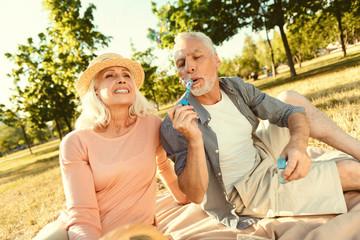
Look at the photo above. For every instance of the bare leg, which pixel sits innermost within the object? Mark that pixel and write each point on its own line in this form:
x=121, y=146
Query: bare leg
x=322, y=127
x=349, y=172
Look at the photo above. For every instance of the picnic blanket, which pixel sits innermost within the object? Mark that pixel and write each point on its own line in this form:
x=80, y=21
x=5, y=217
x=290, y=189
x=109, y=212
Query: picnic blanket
x=190, y=222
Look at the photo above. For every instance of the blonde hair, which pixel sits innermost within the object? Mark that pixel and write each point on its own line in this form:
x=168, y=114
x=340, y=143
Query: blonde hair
x=199, y=35
x=95, y=114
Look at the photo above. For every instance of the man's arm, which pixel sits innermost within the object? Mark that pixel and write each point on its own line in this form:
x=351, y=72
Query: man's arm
x=194, y=179
x=298, y=161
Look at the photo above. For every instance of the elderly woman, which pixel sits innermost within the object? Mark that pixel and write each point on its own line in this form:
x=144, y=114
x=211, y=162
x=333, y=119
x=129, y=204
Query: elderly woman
x=108, y=163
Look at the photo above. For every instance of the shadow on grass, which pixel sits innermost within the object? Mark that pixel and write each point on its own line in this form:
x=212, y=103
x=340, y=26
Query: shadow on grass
x=31, y=169
x=334, y=65
x=336, y=89
x=334, y=102
x=45, y=151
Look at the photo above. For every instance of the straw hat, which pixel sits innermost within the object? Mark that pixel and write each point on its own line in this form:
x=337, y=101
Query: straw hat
x=109, y=60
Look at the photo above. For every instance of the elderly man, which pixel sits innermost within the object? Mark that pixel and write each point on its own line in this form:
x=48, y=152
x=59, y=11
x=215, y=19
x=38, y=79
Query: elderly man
x=226, y=160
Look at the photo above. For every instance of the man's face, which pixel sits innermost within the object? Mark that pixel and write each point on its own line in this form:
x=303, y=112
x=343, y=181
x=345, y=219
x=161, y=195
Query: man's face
x=193, y=59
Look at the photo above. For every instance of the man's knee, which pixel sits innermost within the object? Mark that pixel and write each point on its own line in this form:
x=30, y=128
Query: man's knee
x=349, y=173
x=290, y=97
x=54, y=231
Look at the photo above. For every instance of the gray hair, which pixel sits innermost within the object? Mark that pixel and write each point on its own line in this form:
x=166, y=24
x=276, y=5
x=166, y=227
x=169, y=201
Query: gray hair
x=199, y=35
x=95, y=114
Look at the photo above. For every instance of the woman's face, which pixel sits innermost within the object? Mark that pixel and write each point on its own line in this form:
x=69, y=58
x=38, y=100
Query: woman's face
x=115, y=87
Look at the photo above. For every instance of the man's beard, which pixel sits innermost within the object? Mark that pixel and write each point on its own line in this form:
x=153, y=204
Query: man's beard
x=198, y=91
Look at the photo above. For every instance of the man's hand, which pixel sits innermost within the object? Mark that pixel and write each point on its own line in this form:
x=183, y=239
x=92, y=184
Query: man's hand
x=194, y=179
x=298, y=161
x=182, y=118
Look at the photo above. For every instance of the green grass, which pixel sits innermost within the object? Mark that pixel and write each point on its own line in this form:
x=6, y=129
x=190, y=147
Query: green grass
x=31, y=191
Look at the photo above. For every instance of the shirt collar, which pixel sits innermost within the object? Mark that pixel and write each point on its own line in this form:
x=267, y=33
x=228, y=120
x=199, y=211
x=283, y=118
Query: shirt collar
x=204, y=115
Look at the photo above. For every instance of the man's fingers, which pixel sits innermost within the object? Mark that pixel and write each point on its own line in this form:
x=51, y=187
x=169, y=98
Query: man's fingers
x=184, y=119
x=288, y=171
x=181, y=113
x=296, y=170
x=175, y=111
x=300, y=171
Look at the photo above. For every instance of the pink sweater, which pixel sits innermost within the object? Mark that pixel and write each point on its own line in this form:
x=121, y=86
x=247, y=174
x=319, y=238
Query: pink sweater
x=109, y=182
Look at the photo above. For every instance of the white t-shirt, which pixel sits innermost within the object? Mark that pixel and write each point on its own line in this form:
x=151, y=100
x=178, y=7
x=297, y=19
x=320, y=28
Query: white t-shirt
x=236, y=150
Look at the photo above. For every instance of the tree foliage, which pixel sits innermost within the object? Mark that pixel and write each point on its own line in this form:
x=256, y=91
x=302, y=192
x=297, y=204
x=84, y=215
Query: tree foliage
x=160, y=86
x=10, y=138
x=13, y=119
x=308, y=34
x=339, y=8
x=221, y=20
x=244, y=65
x=48, y=69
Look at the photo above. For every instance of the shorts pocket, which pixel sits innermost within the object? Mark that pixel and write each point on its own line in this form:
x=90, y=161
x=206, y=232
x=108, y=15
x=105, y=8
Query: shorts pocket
x=288, y=205
x=285, y=204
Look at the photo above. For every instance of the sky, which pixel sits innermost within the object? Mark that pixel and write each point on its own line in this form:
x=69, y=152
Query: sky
x=124, y=20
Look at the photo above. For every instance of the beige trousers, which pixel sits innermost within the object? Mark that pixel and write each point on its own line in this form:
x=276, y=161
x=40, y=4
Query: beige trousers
x=53, y=231
x=259, y=193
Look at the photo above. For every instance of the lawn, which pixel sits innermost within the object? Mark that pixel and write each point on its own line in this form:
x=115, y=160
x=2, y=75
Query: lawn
x=31, y=191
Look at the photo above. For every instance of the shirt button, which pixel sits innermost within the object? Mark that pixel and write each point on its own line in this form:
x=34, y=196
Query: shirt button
x=208, y=119
x=219, y=174
x=217, y=150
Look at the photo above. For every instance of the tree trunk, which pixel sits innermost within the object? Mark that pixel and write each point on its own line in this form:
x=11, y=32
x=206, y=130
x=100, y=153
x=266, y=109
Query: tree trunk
x=287, y=50
x=338, y=18
x=272, y=54
x=154, y=96
x=58, y=128
x=26, y=139
x=353, y=37
x=314, y=53
x=67, y=123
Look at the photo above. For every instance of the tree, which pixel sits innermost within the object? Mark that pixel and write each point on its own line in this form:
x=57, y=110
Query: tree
x=211, y=17
x=337, y=8
x=221, y=20
x=279, y=51
x=159, y=86
x=309, y=33
x=263, y=22
x=52, y=67
x=146, y=60
x=230, y=67
x=248, y=61
x=12, y=119
x=243, y=66
x=10, y=138
x=350, y=22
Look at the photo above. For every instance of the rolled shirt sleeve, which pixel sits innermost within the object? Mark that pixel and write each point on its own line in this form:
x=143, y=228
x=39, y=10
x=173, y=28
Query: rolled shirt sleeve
x=263, y=105
x=175, y=145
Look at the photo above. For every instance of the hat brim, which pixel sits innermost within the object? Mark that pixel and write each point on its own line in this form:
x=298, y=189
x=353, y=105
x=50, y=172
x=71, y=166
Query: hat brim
x=89, y=74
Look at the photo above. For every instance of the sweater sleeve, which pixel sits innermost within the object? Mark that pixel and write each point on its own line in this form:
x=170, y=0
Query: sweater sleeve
x=165, y=169
x=82, y=207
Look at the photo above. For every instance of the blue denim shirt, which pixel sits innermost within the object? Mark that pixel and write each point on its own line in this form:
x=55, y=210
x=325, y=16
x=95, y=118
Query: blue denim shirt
x=253, y=104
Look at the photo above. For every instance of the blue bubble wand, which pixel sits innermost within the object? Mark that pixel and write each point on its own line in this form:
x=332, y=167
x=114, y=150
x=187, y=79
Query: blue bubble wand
x=188, y=85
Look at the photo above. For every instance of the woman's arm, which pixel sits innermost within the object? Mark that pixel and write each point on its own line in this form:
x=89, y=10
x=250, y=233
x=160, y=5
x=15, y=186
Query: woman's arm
x=82, y=208
x=168, y=176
